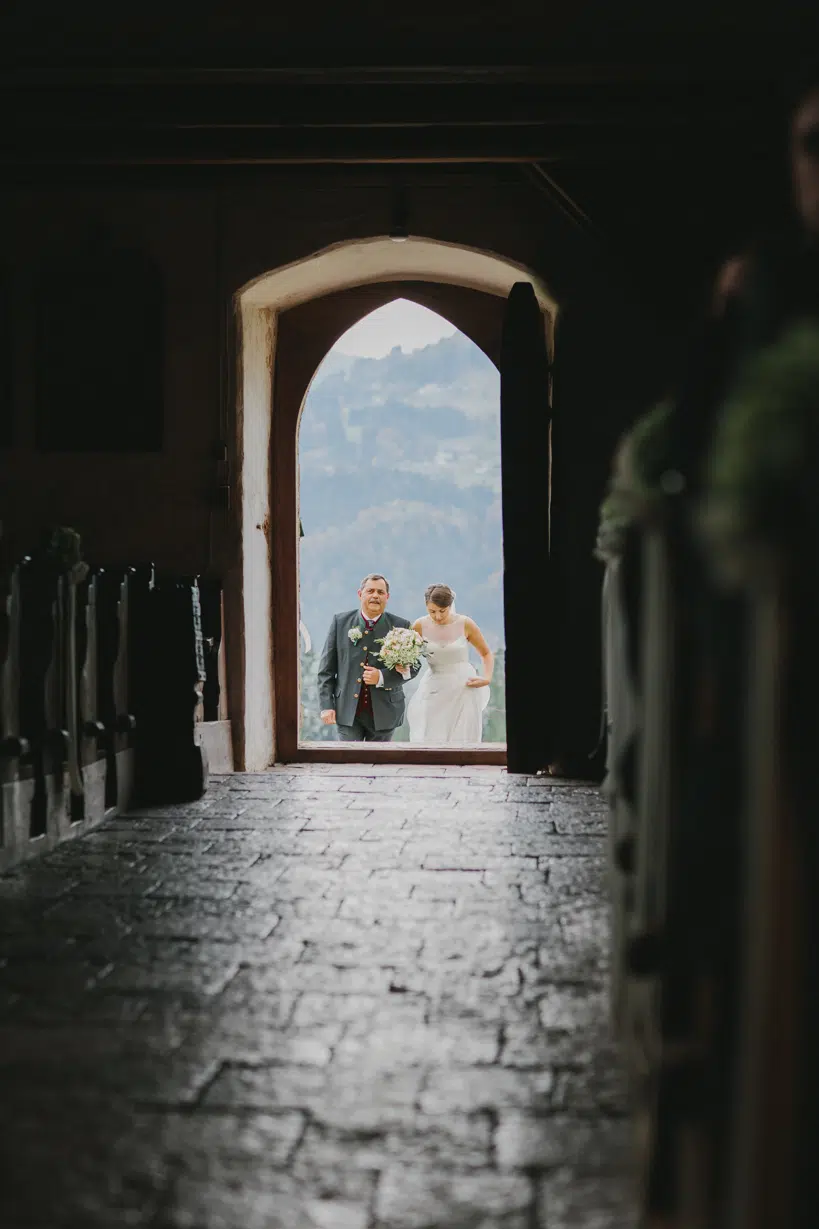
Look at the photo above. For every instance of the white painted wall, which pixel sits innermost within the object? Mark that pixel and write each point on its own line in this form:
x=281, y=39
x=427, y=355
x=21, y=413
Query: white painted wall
x=338, y=267
x=381, y=259
x=259, y=343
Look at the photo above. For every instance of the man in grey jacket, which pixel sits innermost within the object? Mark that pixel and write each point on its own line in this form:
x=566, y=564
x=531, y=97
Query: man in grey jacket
x=362, y=698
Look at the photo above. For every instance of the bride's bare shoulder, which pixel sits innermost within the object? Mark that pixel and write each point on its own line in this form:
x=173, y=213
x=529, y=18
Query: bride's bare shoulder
x=416, y=627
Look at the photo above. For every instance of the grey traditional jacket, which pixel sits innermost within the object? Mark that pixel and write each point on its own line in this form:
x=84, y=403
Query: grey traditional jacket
x=341, y=670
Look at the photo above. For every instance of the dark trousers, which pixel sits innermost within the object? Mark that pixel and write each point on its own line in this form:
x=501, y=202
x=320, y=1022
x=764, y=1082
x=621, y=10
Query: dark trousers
x=363, y=731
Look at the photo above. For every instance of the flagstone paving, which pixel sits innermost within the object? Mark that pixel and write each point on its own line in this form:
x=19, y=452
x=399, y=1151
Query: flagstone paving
x=328, y=997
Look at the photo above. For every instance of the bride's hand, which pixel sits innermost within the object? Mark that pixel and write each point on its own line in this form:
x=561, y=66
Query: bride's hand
x=476, y=682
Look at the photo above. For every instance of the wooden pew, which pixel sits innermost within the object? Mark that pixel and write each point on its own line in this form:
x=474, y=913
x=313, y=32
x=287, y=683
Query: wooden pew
x=87, y=732
x=651, y=1040
x=41, y=698
x=622, y=706
x=14, y=748
x=681, y=1020
x=167, y=670
x=674, y=844
x=210, y=601
x=214, y=732
x=101, y=690
x=775, y=1179
x=760, y=524
x=55, y=787
x=114, y=700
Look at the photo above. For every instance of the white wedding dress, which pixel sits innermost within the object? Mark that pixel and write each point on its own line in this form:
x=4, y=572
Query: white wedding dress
x=444, y=711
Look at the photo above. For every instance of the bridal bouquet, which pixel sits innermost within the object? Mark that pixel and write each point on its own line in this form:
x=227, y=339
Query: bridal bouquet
x=402, y=647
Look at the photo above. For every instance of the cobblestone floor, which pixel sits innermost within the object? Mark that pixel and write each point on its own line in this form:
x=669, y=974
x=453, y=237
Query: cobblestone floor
x=320, y=998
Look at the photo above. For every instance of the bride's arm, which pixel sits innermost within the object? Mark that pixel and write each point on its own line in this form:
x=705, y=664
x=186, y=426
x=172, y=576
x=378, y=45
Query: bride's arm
x=475, y=638
x=416, y=627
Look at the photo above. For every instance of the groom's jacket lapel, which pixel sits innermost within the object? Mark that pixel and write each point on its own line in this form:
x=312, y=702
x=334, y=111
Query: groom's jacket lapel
x=368, y=641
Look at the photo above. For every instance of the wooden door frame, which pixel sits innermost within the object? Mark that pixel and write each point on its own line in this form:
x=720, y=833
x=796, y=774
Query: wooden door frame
x=304, y=335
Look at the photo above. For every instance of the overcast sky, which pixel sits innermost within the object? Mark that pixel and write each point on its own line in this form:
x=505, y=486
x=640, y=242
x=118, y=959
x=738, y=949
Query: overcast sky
x=400, y=323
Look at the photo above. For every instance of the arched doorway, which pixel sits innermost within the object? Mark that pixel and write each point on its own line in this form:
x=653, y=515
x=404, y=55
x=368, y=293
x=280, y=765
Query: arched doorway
x=288, y=320
x=400, y=470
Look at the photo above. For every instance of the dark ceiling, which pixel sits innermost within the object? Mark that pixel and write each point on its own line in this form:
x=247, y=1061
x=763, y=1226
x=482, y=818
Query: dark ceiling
x=655, y=126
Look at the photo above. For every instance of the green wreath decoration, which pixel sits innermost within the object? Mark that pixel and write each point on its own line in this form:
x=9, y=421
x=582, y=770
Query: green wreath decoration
x=761, y=478
x=636, y=485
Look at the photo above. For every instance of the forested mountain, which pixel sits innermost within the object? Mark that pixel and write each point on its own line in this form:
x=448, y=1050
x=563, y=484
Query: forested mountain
x=400, y=474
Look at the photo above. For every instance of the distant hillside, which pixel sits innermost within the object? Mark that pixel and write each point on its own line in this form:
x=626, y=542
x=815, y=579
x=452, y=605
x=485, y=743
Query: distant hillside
x=400, y=473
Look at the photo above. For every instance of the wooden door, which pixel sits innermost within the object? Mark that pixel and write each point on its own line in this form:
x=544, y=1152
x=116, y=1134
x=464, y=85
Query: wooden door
x=525, y=466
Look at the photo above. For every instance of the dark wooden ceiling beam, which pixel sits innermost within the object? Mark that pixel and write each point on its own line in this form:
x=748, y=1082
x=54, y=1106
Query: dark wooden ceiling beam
x=163, y=106
x=303, y=146
x=554, y=37
x=708, y=67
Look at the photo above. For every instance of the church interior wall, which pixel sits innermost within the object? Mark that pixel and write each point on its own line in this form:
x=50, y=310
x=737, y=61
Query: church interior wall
x=170, y=506
x=207, y=244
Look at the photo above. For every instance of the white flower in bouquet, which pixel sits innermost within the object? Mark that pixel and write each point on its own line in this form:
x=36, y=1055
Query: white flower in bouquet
x=402, y=647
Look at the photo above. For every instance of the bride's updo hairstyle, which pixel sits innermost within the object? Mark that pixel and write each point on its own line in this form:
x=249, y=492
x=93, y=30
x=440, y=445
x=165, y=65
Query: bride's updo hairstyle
x=439, y=595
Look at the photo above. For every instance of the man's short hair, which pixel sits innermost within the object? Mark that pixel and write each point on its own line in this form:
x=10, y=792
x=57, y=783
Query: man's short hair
x=374, y=576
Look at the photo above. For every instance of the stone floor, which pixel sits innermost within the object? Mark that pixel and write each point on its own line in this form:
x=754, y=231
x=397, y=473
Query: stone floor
x=320, y=998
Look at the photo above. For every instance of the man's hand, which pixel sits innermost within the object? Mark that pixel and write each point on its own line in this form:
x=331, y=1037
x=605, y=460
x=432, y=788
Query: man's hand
x=328, y=716
x=477, y=682
x=371, y=676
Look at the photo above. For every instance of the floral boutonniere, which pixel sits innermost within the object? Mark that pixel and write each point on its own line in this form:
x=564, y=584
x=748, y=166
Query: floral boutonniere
x=355, y=634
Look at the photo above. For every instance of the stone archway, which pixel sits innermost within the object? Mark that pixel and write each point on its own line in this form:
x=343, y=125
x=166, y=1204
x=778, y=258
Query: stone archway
x=288, y=320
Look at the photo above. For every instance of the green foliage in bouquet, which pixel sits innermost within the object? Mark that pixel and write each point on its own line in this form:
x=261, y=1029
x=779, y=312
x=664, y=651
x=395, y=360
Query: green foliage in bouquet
x=640, y=462
x=762, y=474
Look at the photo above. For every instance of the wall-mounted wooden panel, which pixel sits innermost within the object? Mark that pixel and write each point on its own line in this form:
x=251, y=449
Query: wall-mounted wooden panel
x=99, y=364
x=6, y=362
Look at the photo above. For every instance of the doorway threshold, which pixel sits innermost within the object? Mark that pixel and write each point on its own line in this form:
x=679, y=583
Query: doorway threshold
x=398, y=753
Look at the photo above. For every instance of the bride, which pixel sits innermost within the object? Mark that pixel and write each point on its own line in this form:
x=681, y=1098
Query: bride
x=448, y=706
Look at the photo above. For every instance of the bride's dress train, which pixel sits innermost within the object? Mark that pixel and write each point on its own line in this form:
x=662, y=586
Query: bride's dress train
x=444, y=710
